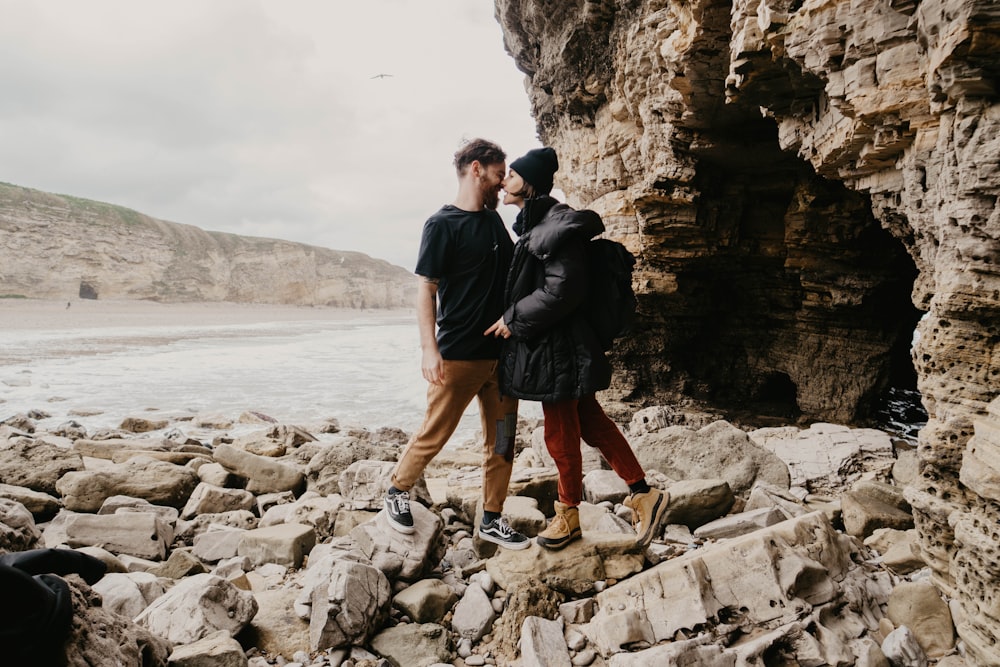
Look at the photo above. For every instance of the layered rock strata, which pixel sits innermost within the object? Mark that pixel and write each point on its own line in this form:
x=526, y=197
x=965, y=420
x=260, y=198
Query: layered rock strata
x=59, y=247
x=801, y=180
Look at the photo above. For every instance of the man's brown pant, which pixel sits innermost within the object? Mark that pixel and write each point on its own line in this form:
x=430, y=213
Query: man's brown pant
x=446, y=402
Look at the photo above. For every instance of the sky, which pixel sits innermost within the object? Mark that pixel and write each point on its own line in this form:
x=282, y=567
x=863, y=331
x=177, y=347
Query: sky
x=259, y=117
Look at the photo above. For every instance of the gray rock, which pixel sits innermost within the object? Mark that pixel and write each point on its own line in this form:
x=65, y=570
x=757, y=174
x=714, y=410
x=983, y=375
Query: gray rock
x=419, y=645
x=604, y=485
x=142, y=425
x=365, y=482
x=220, y=544
x=116, y=504
x=474, y=614
x=577, y=611
x=210, y=499
x=400, y=556
x=827, y=457
x=864, y=514
x=740, y=524
x=522, y=514
x=286, y=544
x=796, y=564
x=311, y=509
x=214, y=473
x=158, y=482
x=181, y=563
x=139, y=534
x=41, y=505
x=900, y=549
x=197, y=607
x=37, y=466
x=348, y=603
x=216, y=650
x=263, y=474
x=765, y=495
x=274, y=629
x=918, y=606
x=17, y=527
x=903, y=650
x=130, y=593
x=717, y=451
x=542, y=643
x=694, y=502
x=426, y=601
x=240, y=519
x=101, y=637
x=325, y=468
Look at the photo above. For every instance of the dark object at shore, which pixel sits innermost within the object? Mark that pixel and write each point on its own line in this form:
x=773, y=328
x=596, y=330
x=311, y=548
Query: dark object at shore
x=37, y=611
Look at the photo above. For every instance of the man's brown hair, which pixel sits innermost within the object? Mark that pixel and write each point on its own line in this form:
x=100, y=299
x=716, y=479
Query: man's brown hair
x=478, y=150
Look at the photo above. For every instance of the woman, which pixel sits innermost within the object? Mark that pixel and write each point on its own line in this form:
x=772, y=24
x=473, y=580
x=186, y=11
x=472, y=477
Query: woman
x=551, y=353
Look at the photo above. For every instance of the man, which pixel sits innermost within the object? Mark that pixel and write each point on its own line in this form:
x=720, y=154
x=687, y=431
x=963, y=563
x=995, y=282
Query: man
x=464, y=256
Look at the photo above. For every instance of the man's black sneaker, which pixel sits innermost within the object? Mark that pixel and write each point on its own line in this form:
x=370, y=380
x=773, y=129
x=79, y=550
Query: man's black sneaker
x=397, y=510
x=499, y=532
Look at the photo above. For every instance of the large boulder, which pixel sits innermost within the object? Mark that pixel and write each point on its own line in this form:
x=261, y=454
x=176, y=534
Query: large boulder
x=99, y=636
x=348, y=600
x=139, y=534
x=717, y=451
x=197, y=607
x=41, y=505
x=263, y=474
x=324, y=469
x=158, y=482
x=17, y=527
x=399, y=556
x=37, y=466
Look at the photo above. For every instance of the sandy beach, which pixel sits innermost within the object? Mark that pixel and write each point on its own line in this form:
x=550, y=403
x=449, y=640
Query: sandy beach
x=29, y=314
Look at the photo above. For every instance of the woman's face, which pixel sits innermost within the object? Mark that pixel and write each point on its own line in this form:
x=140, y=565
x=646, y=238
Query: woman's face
x=512, y=186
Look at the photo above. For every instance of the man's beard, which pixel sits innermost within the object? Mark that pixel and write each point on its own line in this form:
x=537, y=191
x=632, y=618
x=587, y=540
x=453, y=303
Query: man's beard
x=491, y=197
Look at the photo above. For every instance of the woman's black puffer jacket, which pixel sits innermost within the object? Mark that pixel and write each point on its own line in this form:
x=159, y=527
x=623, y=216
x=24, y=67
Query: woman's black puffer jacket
x=552, y=354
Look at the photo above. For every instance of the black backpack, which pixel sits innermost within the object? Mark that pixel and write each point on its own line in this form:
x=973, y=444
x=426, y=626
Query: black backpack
x=612, y=303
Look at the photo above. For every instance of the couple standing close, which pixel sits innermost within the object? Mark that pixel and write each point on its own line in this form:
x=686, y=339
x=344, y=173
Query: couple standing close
x=511, y=323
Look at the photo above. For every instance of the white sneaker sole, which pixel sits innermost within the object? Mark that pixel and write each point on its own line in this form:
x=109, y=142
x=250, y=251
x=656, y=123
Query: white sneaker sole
x=398, y=527
x=513, y=546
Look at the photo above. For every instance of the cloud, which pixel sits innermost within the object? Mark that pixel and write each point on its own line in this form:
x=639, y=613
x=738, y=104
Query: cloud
x=258, y=118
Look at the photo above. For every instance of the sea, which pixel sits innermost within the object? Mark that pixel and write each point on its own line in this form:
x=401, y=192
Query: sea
x=362, y=370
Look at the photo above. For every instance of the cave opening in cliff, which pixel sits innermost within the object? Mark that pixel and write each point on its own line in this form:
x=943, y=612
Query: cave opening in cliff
x=777, y=395
x=801, y=309
x=87, y=291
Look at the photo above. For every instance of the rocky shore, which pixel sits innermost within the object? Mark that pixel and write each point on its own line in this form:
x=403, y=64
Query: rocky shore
x=781, y=546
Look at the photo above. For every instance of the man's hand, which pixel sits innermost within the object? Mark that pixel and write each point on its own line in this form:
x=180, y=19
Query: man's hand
x=432, y=366
x=499, y=330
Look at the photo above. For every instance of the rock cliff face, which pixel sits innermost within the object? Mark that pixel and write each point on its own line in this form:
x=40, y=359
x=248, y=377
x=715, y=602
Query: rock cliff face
x=58, y=247
x=803, y=182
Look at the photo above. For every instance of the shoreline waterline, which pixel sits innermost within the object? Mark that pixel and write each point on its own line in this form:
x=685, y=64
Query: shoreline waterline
x=32, y=314
x=98, y=362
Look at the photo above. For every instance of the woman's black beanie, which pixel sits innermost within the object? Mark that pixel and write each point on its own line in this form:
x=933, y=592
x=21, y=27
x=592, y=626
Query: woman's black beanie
x=537, y=167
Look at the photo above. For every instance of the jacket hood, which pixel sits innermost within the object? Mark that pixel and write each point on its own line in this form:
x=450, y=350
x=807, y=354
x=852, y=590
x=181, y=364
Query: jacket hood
x=559, y=223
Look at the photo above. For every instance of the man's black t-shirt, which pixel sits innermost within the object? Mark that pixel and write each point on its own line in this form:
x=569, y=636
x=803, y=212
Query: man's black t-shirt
x=469, y=253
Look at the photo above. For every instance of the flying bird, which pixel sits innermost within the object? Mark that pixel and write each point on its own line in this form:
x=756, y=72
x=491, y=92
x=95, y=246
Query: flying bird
x=381, y=76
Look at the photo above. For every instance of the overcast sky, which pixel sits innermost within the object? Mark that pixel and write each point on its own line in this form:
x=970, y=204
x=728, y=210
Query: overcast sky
x=258, y=117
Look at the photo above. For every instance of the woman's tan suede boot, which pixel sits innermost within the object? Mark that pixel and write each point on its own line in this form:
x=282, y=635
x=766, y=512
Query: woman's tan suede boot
x=563, y=529
x=648, y=510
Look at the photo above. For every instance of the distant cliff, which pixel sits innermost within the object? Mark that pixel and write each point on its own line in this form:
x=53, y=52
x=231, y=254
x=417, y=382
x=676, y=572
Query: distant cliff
x=59, y=247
